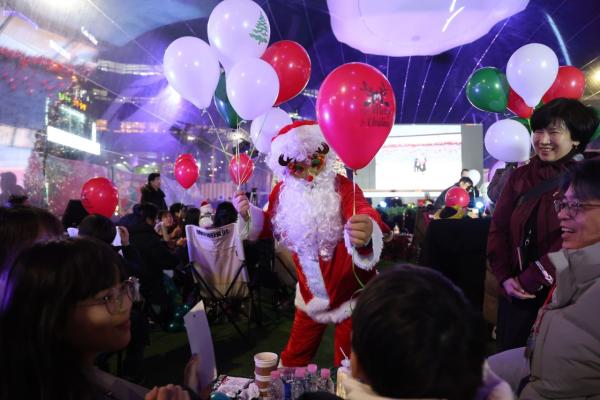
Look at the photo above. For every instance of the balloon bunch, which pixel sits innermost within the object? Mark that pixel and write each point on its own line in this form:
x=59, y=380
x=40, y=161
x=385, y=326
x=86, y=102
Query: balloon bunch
x=533, y=78
x=256, y=78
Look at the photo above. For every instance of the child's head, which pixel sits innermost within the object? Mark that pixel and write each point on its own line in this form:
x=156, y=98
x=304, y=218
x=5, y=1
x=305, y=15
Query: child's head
x=416, y=336
x=166, y=218
x=98, y=227
x=177, y=210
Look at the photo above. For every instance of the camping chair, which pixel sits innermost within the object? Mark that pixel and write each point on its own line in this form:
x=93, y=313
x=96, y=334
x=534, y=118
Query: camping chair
x=218, y=267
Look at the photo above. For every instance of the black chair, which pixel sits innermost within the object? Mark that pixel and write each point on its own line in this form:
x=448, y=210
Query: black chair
x=457, y=248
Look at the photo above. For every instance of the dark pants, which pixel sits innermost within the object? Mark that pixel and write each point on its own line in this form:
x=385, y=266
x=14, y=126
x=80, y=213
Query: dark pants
x=515, y=319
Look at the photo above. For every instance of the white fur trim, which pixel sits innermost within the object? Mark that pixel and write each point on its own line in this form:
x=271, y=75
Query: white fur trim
x=316, y=285
x=251, y=230
x=205, y=222
x=327, y=316
x=367, y=261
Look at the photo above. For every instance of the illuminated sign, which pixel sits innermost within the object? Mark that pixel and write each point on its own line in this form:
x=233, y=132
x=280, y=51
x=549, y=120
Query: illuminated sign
x=72, y=100
x=65, y=138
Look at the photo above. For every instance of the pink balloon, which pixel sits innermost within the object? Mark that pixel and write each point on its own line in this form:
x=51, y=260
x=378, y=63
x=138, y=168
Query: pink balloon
x=457, y=196
x=356, y=109
x=241, y=168
x=100, y=196
x=186, y=171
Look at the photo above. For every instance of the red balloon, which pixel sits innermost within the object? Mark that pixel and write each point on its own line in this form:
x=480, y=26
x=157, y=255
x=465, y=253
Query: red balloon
x=182, y=156
x=517, y=105
x=569, y=83
x=356, y=109
x=100, y=196
x=241, y=168
x=292, y=65
x=186, y=170
x=457, y=196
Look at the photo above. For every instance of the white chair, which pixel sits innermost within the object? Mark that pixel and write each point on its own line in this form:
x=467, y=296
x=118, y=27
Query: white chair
x=217, y=260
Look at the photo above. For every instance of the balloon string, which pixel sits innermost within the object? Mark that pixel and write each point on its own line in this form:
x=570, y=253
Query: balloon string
x=260, y=131
x=362, y=285
x=217, y=131
x=237, y=162
x=353, y=192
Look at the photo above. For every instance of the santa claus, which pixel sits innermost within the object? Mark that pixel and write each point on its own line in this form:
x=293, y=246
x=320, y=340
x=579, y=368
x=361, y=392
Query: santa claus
x=335, y=235
x=206, y=215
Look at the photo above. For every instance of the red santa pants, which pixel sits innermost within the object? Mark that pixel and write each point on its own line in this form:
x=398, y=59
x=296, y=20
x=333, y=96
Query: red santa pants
x=305, y=339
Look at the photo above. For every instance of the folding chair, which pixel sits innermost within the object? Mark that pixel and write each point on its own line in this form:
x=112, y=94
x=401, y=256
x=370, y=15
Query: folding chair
x=217, y=264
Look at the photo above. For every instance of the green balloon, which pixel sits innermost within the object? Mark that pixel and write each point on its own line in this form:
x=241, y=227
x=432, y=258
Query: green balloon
x=487, y=89
x=223, y=105
x=524, y=121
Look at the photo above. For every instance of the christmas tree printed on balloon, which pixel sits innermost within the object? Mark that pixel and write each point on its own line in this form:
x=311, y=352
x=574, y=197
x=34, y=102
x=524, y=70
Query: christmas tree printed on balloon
x=261, y=30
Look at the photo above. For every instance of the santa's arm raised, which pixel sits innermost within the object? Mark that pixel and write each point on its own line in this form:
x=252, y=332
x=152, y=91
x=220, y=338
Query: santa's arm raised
x=254, y=223
x=364, y=229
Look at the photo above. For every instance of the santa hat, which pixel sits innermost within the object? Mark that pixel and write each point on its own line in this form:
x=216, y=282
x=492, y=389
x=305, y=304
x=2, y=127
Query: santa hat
x=298, y=140
x=205, y=208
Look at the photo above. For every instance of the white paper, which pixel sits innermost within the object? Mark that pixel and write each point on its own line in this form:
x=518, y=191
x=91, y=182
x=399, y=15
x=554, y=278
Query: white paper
x=200, y=339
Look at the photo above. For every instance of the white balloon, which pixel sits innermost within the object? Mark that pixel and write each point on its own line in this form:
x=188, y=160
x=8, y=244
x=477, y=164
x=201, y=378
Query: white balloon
x=238, y=29
x=531, y=70
x=508, y=140
x=265, y=127
x=252, y=87
x=192, y=68
x=475, y=176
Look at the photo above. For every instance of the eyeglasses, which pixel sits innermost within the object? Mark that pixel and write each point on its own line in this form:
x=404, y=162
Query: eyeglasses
x=572, y=207
x=114, y=299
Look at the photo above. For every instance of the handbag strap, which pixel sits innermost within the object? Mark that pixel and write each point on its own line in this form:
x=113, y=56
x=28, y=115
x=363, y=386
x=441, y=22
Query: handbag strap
x=539, y=189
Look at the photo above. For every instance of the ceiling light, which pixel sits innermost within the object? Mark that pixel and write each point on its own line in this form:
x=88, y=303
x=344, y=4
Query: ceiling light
x=595, y=76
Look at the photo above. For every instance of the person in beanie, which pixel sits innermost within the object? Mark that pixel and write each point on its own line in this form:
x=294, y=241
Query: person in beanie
x=336, y=237
x=151, y=192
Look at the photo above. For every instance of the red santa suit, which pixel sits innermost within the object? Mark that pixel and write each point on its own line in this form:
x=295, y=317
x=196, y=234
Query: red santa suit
x=328, y=280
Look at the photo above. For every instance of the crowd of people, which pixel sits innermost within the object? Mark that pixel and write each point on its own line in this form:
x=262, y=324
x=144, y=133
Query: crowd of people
x=71, y=291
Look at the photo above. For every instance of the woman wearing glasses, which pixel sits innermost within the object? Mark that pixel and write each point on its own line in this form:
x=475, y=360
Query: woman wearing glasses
x=524, y=226
x=563, y=349
x=64, y=303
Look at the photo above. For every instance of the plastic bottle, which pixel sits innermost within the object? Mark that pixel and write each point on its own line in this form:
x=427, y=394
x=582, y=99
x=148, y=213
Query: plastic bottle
x=287, y=379
x=342, y=374
x=311, y=378
x=325, y=383
x=299, y=383
x=276, y=389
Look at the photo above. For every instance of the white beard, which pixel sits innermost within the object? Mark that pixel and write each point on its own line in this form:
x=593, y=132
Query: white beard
x=308, y=218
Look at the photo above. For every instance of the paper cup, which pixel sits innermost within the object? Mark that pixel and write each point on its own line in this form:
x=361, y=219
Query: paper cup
x=263, y=382
x=264, y=363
